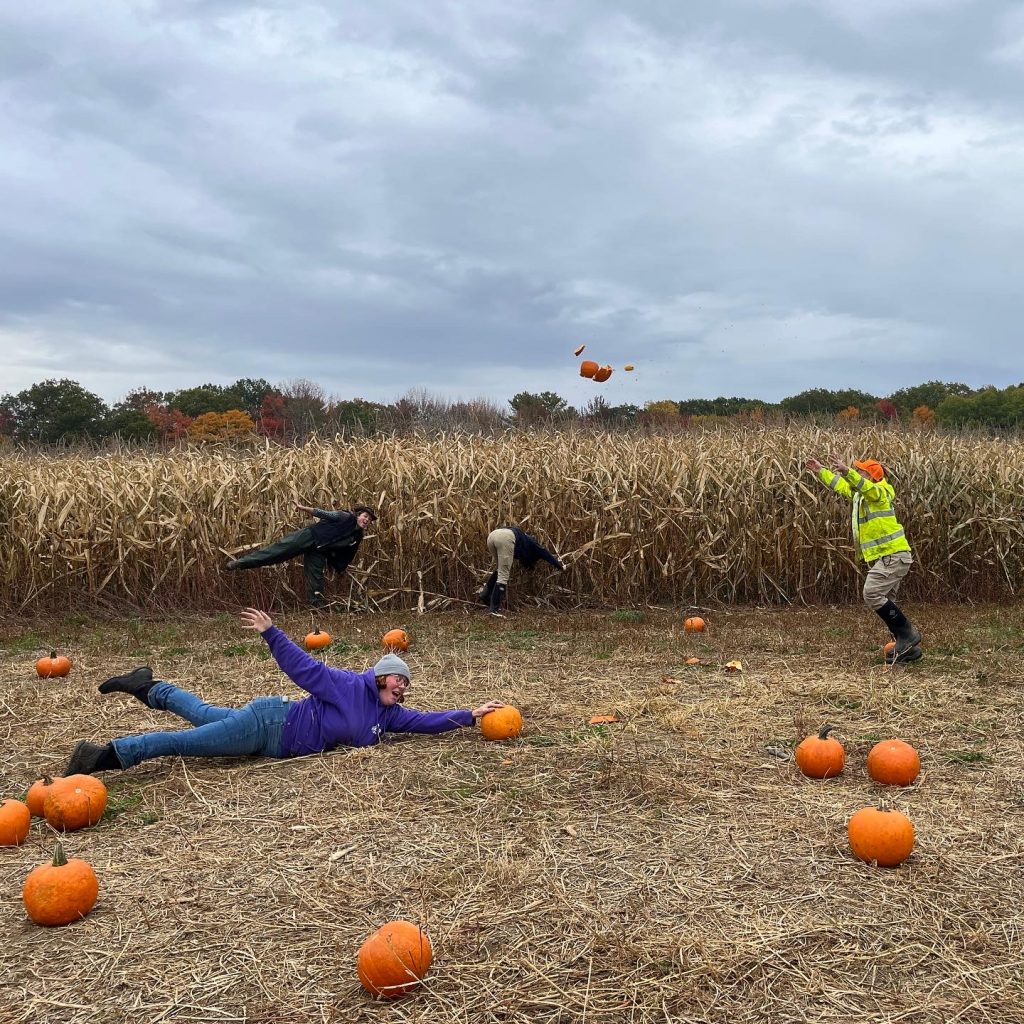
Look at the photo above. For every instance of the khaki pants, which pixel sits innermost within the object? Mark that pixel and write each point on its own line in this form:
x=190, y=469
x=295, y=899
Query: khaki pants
x=502, y=545
x=884, y=578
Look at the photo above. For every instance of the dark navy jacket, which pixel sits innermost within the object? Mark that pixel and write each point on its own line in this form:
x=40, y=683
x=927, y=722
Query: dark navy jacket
x=528, y=552
x=338, y=535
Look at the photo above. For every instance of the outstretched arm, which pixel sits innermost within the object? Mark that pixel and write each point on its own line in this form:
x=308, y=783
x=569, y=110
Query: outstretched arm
x=405, y=720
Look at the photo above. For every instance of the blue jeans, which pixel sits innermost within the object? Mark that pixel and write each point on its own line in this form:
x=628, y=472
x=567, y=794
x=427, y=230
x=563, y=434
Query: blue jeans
x=219, y=732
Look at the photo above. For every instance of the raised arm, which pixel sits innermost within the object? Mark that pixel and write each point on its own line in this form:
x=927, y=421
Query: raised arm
x=833, y=481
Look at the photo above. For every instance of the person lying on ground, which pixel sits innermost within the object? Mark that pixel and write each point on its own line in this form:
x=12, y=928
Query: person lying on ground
x=344, y=708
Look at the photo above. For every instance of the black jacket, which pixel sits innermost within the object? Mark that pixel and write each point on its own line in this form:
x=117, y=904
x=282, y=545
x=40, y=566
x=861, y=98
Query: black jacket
x=528, y=552
x=338, y=536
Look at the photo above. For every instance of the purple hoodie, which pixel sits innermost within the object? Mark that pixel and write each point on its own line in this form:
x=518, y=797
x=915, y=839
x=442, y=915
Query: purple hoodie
x=343, y=708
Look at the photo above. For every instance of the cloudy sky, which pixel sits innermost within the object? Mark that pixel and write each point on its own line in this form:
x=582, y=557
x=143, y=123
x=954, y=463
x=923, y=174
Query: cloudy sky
x=741, y=197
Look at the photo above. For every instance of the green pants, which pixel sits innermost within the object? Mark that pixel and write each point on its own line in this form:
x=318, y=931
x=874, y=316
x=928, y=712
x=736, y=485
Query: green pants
x=300, y=542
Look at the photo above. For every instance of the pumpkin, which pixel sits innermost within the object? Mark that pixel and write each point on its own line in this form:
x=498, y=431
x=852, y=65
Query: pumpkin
x=395, y=640
x=502, y=724
x=60, y=892
x=893, y=763
x=48, y=668
x=394, y=959
x=37, y=794
x=14, y=822
x=317, y=639
x=579, y=351
x=588, y=368
x=602, y=374
x=694, y=624
x=888, y=649
x=629, y=367
x=883, y=836
x=819, y=756
x=75, y=802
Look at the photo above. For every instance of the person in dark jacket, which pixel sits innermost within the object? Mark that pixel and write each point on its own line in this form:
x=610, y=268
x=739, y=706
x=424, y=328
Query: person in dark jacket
x=509, y=544
x=344, y=708
x=333, y=540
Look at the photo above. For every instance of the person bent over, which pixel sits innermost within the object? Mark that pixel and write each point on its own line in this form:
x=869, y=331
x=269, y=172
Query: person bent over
x=507, y=545
x=344, y=708
x=880, y=540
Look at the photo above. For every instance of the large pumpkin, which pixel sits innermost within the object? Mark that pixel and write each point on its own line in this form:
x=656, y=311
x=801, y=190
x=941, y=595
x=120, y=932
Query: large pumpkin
x=15, y=820
x=37, y=794
x=588, y=368
x=501, y=724
x=893, y=763
x=395, y=640
x=883, y=836
x=394, y=959
x=820, y=756
x=316, y=640
x=694, y=624
x=60, y=892
x=47, y=668
x=75, y=802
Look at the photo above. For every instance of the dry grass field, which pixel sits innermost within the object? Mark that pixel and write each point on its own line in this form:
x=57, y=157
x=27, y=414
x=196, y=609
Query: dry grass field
x=673, y=867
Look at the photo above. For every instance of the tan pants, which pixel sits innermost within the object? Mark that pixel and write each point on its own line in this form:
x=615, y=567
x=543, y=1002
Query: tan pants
x=502, y=545
x=884, y=578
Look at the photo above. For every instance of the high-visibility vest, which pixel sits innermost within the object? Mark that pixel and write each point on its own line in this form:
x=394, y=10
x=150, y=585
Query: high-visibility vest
x=876, y=530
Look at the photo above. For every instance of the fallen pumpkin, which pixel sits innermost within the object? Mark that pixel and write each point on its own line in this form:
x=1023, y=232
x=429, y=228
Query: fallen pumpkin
x=885, y=837
x=60, y=892
x=501, y=724
x=75, y=802
x=396, y=640
x=694, y=624
x=893, y=763
x=394, y=959
x=15, y=820
x=820, y=756
x=53, y=666
x=317, y=640
x=37, y=794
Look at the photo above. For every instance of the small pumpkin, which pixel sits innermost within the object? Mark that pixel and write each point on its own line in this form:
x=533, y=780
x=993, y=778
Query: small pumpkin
x=629, y=367
x=52, y=667
x=820, y=756
x=15, y=820
x=602, y=374
x=317, y=639
x=37, y=794
x=885, y=836
x=588, y=368
x=60, y=892
x=888, y=649
x=394, y=959
x=75, y=802
x=694, y=624
x=893, y=763
x=501, y=724
x=395, y=640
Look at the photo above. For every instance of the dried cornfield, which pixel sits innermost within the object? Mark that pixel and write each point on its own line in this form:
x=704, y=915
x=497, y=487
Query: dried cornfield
x=694, y=518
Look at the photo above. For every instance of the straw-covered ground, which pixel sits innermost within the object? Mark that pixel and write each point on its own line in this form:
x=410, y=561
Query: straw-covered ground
x=674, y=866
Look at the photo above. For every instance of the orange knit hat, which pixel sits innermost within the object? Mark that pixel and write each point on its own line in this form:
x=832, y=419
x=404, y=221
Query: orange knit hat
x=872, y=468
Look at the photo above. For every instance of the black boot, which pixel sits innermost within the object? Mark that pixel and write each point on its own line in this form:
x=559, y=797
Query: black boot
x=138, y=683
x=88, y=758
x=488, y=588
x=497, y=597
x=903, y=632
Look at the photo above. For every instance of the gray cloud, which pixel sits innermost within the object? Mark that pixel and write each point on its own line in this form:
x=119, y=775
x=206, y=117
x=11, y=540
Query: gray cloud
x=749, y=197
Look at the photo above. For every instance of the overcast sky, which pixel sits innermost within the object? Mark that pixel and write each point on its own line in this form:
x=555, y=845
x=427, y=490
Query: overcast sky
x=741, y=197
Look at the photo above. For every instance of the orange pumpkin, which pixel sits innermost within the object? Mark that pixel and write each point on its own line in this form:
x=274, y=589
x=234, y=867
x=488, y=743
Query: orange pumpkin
x=888, y=649
x=37, y=794
x=60, y=892
x=316, y=640
x=820, y=756
x=883, y=836
x=602, y=374
x=75, y=802
x=893, y=763
x=395, y=640
x=629, y=367
x=695, y=624
x=502, y=724
x=14, y=822
x=588, y=368
x=51, y=667
x=394, y=959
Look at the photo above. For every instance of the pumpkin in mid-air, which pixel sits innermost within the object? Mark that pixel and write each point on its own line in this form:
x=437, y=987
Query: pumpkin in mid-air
x=60, y=892
x=15, y=820
x=820, y=756
x=317, y=640
x=893, y=763
x=74, y=802
x=883, y=836
x=501, y=724
x=588, y=368
x=602, y=374
x=395, y=640
x=394, y=959
x=53, y=666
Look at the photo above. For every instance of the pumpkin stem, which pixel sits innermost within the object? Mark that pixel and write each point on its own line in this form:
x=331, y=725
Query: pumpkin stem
x=59, y=860
x=53, y=654
x=824, y=731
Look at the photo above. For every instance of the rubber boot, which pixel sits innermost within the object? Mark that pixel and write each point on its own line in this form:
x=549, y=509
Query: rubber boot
x=138, y=683
x=88, y=758
x=902, y=629
x=485, y=594
x=497, y=597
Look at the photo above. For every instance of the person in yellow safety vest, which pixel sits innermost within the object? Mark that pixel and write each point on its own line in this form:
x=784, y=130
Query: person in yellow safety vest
x=881, y=542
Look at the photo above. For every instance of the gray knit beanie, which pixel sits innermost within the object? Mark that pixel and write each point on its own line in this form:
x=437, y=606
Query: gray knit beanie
x=392, y=664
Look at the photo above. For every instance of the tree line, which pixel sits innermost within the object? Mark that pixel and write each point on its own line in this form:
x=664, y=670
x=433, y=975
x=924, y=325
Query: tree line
x=60, y=411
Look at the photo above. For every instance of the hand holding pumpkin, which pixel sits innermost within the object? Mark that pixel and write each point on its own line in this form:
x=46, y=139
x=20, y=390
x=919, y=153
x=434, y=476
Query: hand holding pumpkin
x=484, y=709
x=253, y=618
